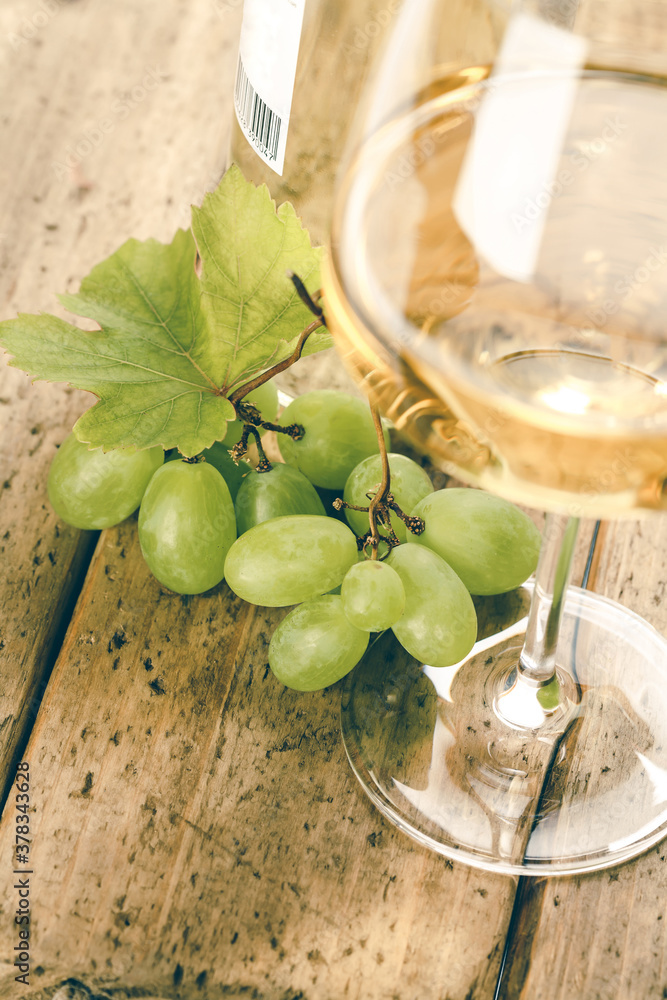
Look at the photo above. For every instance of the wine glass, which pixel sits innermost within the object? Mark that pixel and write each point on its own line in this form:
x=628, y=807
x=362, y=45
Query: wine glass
x=498, y=284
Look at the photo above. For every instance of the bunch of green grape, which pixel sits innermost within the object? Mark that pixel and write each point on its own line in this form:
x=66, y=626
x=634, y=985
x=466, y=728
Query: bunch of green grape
x=270, y=536
x=472, y=543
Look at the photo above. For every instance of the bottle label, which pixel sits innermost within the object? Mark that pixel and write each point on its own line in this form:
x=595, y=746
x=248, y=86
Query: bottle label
x=268, y=54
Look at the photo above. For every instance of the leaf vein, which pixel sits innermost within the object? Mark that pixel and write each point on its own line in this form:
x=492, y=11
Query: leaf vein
x=163, y=323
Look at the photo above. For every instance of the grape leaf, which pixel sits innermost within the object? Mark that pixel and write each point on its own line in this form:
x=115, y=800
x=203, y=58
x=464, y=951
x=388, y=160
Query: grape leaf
x=173, y=345
x=243, y=279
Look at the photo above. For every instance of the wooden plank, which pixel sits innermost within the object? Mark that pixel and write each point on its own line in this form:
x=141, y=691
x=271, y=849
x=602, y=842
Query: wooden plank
x=153, y=827
x=43, y=560
x=603, y=935
x=183, y=798
x=196, y=823
x=69, y=194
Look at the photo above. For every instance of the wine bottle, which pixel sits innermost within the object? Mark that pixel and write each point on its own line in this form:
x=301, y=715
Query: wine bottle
x=302, y=64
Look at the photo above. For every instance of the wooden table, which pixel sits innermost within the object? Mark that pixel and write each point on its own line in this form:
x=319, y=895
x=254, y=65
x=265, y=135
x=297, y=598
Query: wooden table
x=197, y=831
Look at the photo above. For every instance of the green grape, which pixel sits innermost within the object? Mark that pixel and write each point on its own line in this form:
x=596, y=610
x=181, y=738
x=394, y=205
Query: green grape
x=315, y=645
x=491, y=544
x=290, y=559
x=187, y=526
x=277, y=493
x=336, y=590
x=409, y=484
x=265, y=399
x=218, y=456
x=439, y=624
x=91, y=489
x=339, y=434
x=373, y=596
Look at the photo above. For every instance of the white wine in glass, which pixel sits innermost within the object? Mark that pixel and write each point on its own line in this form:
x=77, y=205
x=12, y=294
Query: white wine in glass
x=498, y=284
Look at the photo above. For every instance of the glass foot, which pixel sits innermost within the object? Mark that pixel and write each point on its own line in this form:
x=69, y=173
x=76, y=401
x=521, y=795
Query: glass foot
x=567, y=778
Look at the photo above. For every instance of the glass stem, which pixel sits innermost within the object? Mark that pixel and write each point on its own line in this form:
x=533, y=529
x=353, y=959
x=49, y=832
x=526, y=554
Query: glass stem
x=538, y=658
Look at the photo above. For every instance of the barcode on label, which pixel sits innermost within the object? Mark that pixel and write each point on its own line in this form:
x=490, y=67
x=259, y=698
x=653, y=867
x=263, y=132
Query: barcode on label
x=261, y=124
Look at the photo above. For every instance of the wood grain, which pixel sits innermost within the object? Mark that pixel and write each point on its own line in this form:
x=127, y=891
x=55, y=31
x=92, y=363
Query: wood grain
x=603, y=935
x=197, y=830
x=197, y=827
x=181, y=798
x=196, y=824
x=64, y=204
x=43, y=560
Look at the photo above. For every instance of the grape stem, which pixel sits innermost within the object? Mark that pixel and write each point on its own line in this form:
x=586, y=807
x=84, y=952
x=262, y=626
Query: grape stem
x=282, y=366
x=247, y=412
x=381, y=503
x=250, y=416
x=414, y=524
x=295, y=431
x=305, y=296
x=241, y=447
x=377, y=507
x=252, y=421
